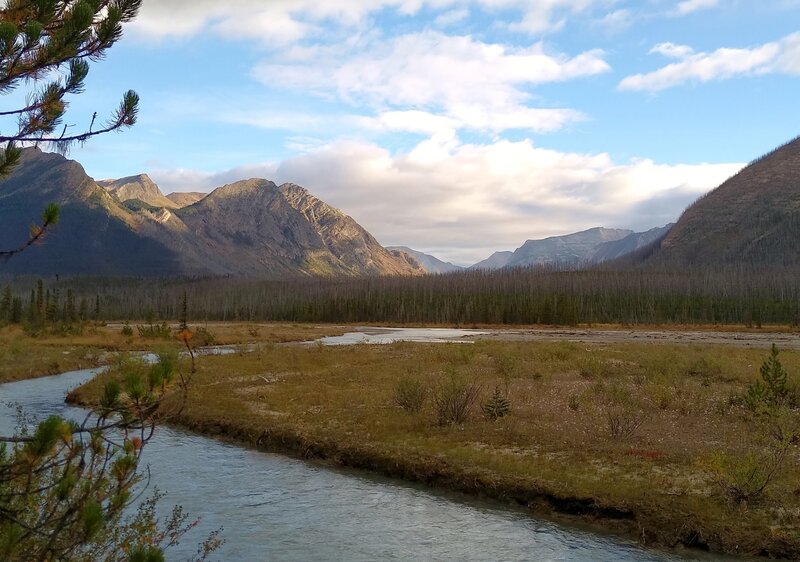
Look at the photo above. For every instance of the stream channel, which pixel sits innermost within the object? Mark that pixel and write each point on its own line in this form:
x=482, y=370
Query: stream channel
x=277, y=508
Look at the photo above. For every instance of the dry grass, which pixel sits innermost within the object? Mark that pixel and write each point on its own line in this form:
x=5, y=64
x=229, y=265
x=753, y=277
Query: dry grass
x=556, y=449
x=23, y=356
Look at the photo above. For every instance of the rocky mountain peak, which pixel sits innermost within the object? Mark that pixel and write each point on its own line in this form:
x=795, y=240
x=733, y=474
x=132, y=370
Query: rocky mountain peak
x=250, y=227
x=139, y=187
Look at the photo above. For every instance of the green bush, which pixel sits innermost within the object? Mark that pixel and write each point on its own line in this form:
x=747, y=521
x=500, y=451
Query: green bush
x=155, y=331
x=410, y=394
x=453, y=399
x=744, y=478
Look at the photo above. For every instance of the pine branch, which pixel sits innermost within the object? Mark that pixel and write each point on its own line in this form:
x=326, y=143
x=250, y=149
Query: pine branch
x=49, y=219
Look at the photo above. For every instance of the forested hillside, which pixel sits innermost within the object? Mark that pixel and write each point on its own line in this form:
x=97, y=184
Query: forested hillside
x=753, y=218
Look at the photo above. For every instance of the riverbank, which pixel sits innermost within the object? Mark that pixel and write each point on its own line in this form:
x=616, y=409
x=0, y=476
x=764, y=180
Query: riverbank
x=28, y=354
x=639, y=438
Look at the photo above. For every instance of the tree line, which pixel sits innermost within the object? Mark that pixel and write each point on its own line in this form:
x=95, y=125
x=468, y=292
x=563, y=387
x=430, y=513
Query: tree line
x=518, y=296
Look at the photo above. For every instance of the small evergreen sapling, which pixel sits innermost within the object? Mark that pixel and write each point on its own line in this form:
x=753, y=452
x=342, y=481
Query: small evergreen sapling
x=774, y=389
x=498, y=405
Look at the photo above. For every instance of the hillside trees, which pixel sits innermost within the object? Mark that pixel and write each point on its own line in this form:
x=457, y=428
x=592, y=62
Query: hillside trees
x=66, y=485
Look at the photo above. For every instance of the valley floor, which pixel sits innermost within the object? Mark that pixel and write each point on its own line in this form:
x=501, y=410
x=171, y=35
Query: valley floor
x=650, y=439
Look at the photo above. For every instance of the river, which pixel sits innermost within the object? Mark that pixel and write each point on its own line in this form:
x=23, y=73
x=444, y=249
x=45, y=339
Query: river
x=277, y=508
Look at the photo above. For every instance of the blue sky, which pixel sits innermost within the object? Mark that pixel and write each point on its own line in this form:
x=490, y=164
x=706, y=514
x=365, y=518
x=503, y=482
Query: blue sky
x=457, y=128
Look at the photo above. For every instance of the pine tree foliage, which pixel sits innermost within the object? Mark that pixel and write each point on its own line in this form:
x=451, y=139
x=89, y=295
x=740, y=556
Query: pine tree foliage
x=48, y=44
x=775, y=376
x=46, y=47
x=497, y=406
x=773, y=390
x=65, y=486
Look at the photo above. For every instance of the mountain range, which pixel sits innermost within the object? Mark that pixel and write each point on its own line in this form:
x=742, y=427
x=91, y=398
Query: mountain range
x=589, y=247
x=128, y=227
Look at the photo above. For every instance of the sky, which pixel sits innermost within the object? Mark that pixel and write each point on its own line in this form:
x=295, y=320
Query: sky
x=457, y=128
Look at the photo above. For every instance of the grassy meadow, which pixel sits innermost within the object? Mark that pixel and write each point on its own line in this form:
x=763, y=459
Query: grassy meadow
x=26, y=354
x=656, y=441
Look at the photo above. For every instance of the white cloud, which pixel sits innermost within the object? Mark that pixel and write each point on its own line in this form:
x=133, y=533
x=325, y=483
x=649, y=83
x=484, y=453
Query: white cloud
x=285, y=21
x=616, y=21
x=415, y=121
x=278, y=20
x=421, y=69
x=781, y=56
x=672, y=50
x=451, y=17
x=467, y=200
x=547, y=15
x=690, y=6
x=478, y=85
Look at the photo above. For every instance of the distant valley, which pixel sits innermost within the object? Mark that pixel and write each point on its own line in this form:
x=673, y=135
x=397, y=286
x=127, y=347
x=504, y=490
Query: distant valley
x=589, y=247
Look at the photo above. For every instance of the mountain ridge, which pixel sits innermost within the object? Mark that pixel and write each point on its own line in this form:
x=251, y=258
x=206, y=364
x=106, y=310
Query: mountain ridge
x=251, y=227
x=752, y=218
x=430, y=263
x=139, y=187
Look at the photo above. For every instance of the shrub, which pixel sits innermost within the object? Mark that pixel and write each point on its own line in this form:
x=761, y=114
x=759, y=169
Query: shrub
x=744, y=479
x=505, y=365
x=410, y=394
x=127, y=330
x=498, y=406
x=623, y=416
x=773, y=390
x=453, y=399
x=203, y=337
x=155, y=331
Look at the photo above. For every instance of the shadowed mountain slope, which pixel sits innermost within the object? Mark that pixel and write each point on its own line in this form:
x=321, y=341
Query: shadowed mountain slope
x=247, y=228
x=96, y=233
x=631, y=243
x=751, y=219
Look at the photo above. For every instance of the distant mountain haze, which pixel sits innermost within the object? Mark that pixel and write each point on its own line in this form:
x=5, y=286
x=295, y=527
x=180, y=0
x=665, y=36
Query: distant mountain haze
x=569, y=250
x=431, y=264
x=631, y=243
x=585, y=248
x=497, y=260
x=129, y=228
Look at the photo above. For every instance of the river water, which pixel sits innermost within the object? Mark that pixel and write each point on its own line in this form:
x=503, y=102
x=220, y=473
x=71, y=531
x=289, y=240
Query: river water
x=276, y=508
